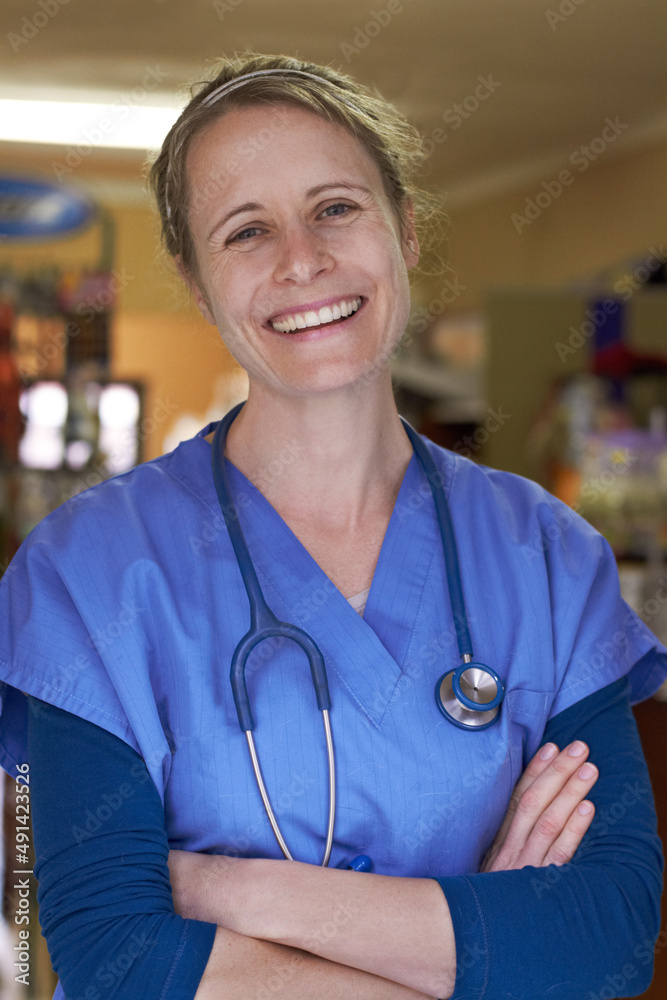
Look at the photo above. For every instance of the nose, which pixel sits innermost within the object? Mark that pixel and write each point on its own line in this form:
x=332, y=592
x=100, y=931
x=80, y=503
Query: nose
x=303, y=255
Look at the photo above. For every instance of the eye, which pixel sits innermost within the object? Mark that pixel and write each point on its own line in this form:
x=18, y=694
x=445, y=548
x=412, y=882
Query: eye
x=337, y=209
x=245, y=235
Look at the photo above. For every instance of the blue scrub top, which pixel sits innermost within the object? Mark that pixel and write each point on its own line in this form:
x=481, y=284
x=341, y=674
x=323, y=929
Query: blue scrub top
x=125, y=606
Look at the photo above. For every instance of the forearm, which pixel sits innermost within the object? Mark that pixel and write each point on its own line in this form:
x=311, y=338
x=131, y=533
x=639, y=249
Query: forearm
x=566, y=929
x=396, y=928
x=241, y=966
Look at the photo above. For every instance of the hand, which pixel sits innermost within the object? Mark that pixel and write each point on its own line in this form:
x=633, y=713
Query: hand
x=548, y=813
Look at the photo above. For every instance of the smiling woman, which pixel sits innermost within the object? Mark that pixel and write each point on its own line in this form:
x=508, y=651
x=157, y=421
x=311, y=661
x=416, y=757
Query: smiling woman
x=287, y=203
x=289, y=249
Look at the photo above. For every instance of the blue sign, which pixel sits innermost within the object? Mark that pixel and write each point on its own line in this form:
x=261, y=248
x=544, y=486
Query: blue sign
x=31, y=210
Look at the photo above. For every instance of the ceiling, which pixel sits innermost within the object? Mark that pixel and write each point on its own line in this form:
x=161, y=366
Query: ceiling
x=555, y=70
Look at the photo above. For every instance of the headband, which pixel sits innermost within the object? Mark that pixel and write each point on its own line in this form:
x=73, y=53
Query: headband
x=239, y=81
x=228, y=88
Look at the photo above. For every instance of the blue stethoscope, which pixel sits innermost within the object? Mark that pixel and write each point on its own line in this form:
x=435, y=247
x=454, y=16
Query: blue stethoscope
x=469, y=696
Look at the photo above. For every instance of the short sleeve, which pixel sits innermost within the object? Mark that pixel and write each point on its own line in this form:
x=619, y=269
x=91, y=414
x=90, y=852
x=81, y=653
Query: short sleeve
x=597, y=638
x=74, y=640
x=543, y=591
x=46, y=648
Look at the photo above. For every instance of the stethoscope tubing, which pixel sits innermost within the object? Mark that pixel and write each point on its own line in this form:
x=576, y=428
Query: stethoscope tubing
x=332, y=792
x=457, y=601
x=265, y=625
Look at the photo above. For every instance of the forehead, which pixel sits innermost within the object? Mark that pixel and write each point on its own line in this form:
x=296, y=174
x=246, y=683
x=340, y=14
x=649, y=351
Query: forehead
x=277, y=145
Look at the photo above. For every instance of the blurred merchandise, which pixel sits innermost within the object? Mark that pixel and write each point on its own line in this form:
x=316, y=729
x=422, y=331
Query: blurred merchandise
x=81, y=425
x=644, y=588
x=623, y=491
x=600, y=440
x=457, y=340
x=613, y=357
x=9, y=539
x=40, y=345
x=74, y=437
x=596, y=458
x=574, y=409
x=10, y=388
x=82, y=428
x=86, y=300
x=438, y=377
x=65, y=425
x=87, y=343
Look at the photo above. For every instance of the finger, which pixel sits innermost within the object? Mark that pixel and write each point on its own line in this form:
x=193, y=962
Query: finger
x=537, y=766
x=564, y=847
x=541, y=793
x=554, y=820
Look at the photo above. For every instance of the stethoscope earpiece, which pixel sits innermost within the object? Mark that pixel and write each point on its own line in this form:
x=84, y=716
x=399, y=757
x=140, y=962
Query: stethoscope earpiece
x=469, y=696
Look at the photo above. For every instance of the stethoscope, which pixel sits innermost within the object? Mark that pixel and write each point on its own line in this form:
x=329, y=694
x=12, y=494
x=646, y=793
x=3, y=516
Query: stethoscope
x=469, y=696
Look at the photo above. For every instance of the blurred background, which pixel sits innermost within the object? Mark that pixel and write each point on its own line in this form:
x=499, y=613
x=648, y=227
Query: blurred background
x=540, y=347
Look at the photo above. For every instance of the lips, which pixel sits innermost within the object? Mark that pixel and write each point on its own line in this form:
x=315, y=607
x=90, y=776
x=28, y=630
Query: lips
x=331, y=312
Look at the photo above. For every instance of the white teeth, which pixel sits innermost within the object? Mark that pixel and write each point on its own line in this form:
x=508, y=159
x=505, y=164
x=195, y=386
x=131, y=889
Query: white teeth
x=327, y=314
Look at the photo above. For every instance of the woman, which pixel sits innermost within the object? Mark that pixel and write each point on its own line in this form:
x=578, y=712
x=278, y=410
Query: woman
x=284, y=201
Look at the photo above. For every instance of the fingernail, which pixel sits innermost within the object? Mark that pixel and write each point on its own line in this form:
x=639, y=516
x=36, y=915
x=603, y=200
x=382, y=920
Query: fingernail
x=585, y=808
x=548, y=751
x=576, y=749
x=586, y=771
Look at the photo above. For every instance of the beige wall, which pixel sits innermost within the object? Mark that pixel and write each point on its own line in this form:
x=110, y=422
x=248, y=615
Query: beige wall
x=613, y=211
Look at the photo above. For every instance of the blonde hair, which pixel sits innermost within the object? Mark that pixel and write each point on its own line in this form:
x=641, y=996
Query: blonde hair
x=393, y=143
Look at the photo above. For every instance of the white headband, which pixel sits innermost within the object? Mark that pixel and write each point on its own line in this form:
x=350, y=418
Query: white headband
x=228, y=88
x=238, y=81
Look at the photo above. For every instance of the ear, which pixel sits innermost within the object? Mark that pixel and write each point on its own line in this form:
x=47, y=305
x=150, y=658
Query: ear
x=409, y=233
x=196, y=291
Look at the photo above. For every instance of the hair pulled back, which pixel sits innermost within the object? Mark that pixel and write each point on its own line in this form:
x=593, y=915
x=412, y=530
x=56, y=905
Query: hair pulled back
x=385, y=133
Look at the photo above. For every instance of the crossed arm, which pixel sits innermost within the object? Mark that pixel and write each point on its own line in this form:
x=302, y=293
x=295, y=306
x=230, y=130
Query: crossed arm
x=398, y=929
x=277, y=929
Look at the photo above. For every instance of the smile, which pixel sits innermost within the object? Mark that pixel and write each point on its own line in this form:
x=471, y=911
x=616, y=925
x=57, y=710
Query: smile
x=320, y=317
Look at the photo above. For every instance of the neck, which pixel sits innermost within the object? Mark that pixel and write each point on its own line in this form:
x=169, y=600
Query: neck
x=333, y=458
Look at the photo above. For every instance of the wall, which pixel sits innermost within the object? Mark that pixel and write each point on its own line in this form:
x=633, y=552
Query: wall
x=614, y=211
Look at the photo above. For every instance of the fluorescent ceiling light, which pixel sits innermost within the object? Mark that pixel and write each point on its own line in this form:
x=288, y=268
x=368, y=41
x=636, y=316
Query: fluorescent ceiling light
x=114, y=125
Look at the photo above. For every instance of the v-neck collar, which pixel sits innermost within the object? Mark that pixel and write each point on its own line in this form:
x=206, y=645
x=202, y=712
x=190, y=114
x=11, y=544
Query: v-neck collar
x=367, y=654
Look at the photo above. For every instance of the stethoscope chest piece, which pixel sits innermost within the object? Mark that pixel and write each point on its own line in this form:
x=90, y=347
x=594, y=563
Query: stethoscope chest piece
x=469, y=696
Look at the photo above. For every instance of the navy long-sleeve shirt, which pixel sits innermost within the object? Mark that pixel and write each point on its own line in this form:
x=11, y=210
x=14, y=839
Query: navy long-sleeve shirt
x=560, y=932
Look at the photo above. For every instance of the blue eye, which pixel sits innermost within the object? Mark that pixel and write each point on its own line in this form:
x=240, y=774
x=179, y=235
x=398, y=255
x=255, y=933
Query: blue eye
x=340, y=207
x=245, y=234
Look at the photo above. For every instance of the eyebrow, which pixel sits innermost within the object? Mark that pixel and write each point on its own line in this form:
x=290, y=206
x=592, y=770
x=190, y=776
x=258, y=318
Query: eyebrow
x=254, y=206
